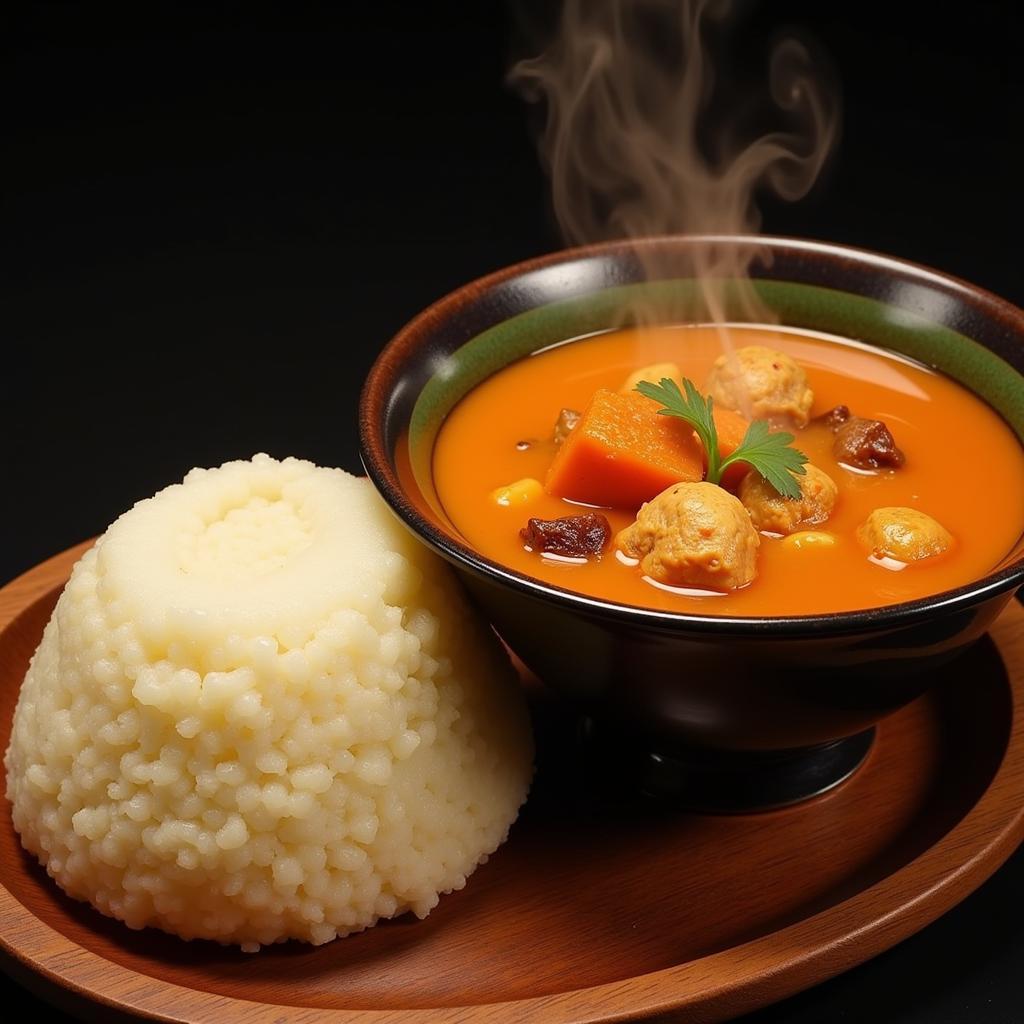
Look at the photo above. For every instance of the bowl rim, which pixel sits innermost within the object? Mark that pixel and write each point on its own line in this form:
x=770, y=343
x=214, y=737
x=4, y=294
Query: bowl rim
x=373, y=405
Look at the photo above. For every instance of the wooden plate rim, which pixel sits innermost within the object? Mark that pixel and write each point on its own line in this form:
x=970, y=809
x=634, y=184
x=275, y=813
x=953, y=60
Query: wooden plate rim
x=729, y=982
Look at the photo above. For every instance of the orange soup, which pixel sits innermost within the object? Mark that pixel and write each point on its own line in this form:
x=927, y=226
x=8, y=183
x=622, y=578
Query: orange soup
x=963, y=466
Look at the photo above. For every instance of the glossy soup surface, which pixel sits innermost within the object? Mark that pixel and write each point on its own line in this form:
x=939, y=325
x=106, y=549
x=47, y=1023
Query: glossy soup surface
x=964, y=467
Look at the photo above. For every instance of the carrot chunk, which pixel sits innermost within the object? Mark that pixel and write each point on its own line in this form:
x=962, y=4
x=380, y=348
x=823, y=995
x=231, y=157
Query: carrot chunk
x=622, y=453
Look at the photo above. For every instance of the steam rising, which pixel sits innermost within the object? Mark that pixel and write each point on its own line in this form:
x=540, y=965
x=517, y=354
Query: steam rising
x=632, y=149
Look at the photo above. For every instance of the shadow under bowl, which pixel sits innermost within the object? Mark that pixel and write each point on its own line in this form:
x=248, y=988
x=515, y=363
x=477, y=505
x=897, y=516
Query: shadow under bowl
x=717, y=712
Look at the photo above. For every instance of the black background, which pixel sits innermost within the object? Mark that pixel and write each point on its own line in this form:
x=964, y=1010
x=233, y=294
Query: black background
x=214, y=217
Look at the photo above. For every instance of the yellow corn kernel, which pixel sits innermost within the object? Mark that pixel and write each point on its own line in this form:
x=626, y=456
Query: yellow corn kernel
x=804, y=539
x=522, y=492
x=653, y=373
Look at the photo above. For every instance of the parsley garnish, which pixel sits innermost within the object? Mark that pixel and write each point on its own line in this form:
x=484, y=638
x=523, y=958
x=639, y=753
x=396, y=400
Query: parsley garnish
x=770, y=454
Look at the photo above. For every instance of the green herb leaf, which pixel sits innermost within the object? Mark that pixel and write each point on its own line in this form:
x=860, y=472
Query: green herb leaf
x=695, y=410
x=769, y=454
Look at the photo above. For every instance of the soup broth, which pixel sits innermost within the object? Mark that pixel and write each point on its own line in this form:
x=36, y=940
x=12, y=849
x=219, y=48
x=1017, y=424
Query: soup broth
x=964, y=467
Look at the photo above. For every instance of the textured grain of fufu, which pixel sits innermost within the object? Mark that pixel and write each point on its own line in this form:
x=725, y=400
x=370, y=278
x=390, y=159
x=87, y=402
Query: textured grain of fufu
x=261, y=711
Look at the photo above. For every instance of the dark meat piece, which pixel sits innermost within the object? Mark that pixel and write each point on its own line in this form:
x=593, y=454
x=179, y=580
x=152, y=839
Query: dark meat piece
x=834, y=418
x=575, y=536
x=866, y=444
x=567, y=420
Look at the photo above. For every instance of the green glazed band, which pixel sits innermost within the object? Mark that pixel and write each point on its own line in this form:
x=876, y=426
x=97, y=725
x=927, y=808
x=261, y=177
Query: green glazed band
x=806, y=306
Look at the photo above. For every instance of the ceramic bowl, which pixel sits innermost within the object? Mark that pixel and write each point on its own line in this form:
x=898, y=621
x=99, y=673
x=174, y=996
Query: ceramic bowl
x=727, y=713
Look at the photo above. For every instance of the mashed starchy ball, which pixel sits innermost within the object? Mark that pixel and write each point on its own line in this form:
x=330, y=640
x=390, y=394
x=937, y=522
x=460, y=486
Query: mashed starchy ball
x=904, y=534
x=761, y=384
x=771, y=512
x=693, y=535
x=262, y=711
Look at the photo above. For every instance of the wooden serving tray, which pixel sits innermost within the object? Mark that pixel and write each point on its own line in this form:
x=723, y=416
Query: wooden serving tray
x=597, y=909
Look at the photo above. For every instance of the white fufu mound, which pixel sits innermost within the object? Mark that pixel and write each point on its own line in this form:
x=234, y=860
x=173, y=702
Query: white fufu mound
x=262, y=711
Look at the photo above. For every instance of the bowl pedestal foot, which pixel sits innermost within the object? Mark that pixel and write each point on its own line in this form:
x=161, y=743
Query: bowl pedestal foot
x=723, y=781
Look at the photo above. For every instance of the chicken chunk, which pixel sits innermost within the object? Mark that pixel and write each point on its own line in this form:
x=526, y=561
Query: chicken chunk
x=696, y=535
x=771, y=512
x=904, y=534
x=762, y=384
x=565, y=424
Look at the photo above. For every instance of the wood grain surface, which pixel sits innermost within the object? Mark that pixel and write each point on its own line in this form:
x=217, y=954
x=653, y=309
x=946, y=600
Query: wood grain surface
x=599, y=907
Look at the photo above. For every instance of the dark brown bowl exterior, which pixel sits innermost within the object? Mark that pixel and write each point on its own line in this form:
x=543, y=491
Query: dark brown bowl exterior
x=735, y=684
x=747, y=689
